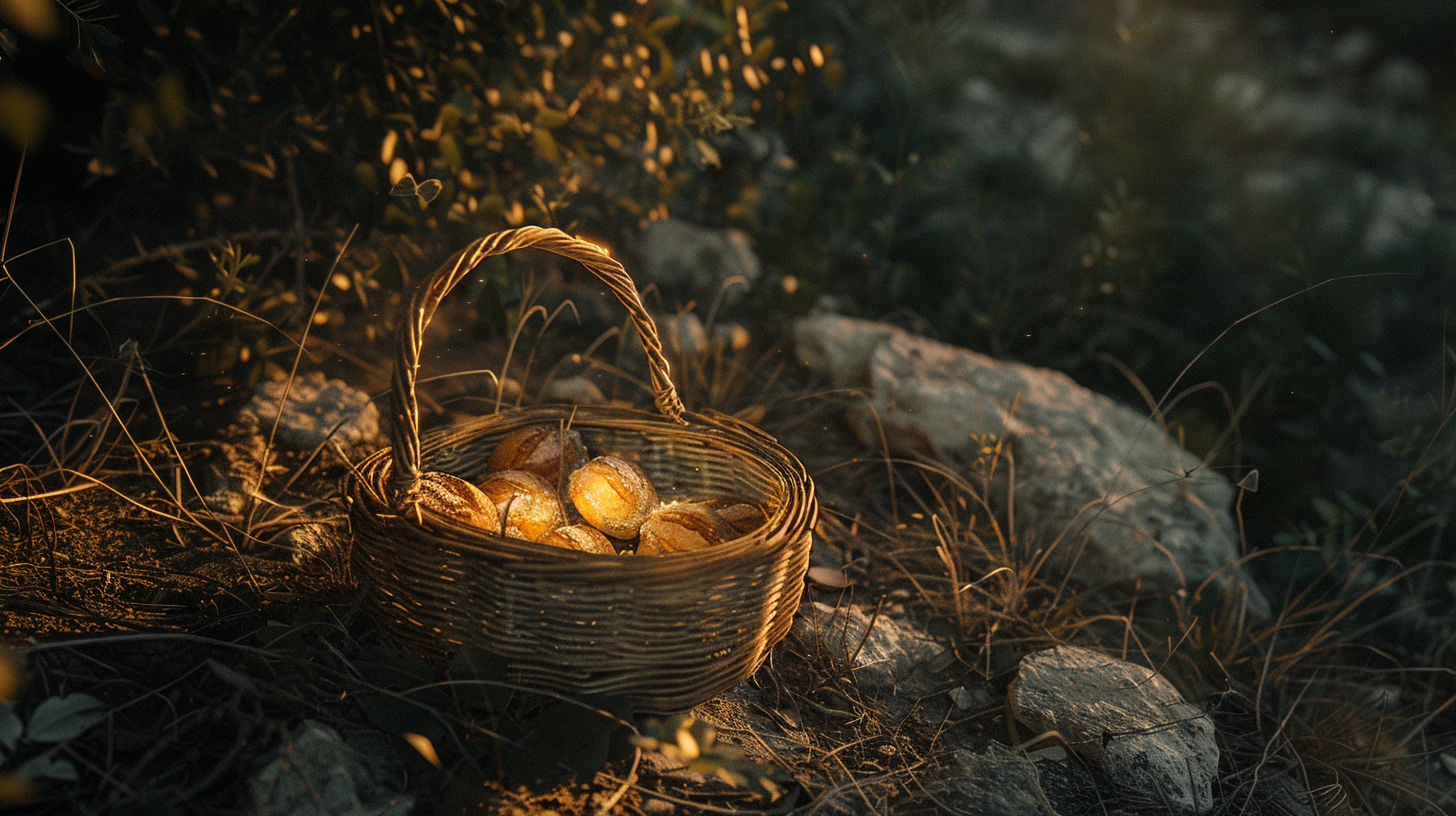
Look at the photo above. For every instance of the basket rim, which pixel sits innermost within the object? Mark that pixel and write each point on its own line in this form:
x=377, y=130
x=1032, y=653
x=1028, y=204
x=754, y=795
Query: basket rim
x=368, y=484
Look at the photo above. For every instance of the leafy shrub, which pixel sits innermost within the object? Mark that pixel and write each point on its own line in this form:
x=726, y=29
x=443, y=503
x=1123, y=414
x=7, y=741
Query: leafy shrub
x=252, y=114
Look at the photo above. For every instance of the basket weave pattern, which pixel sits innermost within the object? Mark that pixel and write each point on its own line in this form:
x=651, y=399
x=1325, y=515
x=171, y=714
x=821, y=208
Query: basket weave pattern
x=667, y=631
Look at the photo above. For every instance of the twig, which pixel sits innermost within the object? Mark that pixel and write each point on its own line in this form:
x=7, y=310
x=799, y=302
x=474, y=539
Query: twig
x=611, y=802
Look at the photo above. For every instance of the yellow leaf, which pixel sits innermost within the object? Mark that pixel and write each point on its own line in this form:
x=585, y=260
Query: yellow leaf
x=545, y=145
x=172, y=100
x=24, y=113
x=9, y=677
x=450, y=152
x=14, y=790
x=549, y=118
x=424, y=746
x=261, y=169
x=33, y=18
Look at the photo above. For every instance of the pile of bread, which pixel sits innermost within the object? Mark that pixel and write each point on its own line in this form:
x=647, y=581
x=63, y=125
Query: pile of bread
x=541, y=485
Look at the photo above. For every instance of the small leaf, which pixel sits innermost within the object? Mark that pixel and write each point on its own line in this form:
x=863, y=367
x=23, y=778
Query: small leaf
x=405, y=186
x=261, y=169
x=428, y=189
x=24, y=113
x=43, y=767
x=708, y=153
x=1328, y=512
x=426, y=748
x=102, y=35
x=9, y=676
x=33, y=18
x=10, y=727
x=61, y=718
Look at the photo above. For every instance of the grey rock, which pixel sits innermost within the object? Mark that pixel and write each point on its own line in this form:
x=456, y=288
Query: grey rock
x=998, y=782
x=684, y=334
x=1134, y=505
x=1239, y=92
x=316, y=409
x=1069, y=786
x=318, y=543
x=232, y=472
x=1352, y=49
x=315, y=773
x=573, y=390
x=971, y=698
x=1398, y=213
x=1125, y=720
x=1399, y=82
x=894, y=663
x=996, y=127
x=699, y=260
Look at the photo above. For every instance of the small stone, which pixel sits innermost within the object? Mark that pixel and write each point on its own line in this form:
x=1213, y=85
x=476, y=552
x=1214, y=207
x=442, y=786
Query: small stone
x=999, y=781
x=828, y=577
x=233, y=471
x=316, y=410
x=573, y=391
x=685, y=334
x=1124, y=719
x=893, y=660
x=315, y=773
x=974, y=698
x=699, y=261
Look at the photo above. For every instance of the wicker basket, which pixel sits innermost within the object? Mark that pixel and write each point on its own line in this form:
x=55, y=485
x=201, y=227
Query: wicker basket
x=666, y=631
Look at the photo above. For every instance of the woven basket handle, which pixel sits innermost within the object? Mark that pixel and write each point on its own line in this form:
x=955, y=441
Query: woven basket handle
x=405, y=432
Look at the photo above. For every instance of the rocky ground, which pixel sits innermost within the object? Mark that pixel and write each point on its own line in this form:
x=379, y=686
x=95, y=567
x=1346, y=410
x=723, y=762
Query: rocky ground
x=1024, y=596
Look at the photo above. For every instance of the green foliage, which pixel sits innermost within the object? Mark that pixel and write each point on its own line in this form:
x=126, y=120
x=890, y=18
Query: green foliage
x=56, y=720
x=1099, y=201
x=695, y=744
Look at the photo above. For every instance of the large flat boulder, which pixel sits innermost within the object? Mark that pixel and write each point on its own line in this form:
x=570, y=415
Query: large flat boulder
x=1116, y=499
